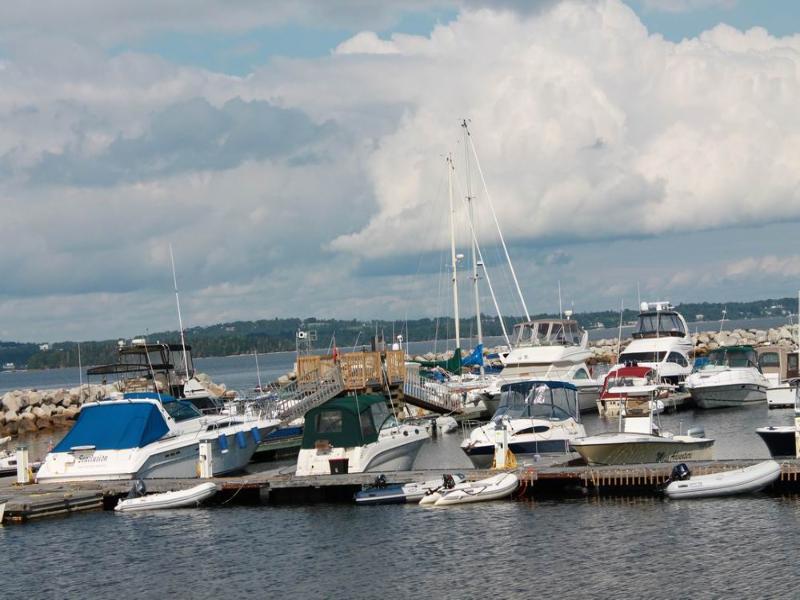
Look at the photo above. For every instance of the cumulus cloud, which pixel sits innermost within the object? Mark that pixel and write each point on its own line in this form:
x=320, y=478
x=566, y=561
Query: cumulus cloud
x=679, y=6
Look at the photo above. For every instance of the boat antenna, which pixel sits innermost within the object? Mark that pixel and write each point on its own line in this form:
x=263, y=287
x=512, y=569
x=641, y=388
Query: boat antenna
x=619, y=333
x=638, y=295
x=80, y=367
x=722, y=320
x=258, y=371
x=560, y=311
x=465, y=125
x=180, y=320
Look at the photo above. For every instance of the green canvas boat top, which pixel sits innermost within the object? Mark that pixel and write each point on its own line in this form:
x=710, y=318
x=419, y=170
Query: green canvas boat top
x=347, y=421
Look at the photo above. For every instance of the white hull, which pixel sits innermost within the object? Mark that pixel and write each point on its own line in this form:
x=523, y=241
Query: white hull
x=179, y=499
x=729, y=396
x=494, y=488
x=781, y=396
x=636, y=448
x=2, y=510
x=727, y=483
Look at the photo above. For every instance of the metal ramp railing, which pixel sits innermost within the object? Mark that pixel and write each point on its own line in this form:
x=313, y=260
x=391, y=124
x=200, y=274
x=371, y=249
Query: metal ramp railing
x=430, y=395
x=287, y=402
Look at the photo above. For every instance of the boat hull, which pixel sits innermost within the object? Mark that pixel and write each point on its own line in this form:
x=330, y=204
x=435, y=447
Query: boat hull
x=779, y=440
x=782, y=396
x=642, y=449
x=728, y=483
x=729, y=396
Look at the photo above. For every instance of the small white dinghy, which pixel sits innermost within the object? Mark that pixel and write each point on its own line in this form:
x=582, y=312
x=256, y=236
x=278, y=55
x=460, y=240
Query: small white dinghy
x=726, y=483
x=498, y=486
x=178, y=499
x=381, y=493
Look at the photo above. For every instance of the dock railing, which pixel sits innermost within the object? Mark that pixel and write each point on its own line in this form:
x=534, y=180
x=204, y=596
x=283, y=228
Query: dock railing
x=293, y=400
x=430, y=395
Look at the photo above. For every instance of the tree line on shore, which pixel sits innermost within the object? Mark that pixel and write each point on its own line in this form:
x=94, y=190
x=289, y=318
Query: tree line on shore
x=274, y=335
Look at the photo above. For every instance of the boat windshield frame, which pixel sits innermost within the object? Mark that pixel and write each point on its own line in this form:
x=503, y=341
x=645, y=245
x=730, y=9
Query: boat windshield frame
x=660, y=323
x=727, y=352
x=538, y=400
x=548, y=332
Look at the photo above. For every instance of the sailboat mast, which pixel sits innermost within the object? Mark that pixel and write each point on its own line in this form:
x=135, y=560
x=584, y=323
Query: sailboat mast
x=474, y=247
x=453, y=257
x=180, y=319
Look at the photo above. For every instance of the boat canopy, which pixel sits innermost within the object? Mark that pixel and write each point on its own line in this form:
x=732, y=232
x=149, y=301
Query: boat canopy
x=660, y=323
x=115, y=426
x=733, y=356
x=347, y=421
x=451, y=365
x=550, y=332
x=553, y=400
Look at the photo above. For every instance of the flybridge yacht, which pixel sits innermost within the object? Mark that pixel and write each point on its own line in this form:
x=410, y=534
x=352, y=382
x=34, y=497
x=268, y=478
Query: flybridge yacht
x=661, y=341
x=548, y=349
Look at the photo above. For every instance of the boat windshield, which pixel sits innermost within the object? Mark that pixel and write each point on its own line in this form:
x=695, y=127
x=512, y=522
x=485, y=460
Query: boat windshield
x=115, y=426
x=659, y=324
x=540, y=401
x=181, y=410
x=732, y=357
x=381, y=416
x=548, y=333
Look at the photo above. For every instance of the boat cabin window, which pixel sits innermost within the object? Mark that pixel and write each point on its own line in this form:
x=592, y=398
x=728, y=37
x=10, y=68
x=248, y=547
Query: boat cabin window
x=581, y=374
x=548, y=333
x=641, y=357
x=381, y=416
x=770, y=361
x=176, y=359
x=791, y=365
x=329, y=421
x=625, y=381
x=181, y=410
x=677, y=358
x=367, y=425
x=659, y=324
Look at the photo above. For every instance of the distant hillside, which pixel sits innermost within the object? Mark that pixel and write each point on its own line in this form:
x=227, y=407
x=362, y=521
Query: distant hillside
x=271, y=335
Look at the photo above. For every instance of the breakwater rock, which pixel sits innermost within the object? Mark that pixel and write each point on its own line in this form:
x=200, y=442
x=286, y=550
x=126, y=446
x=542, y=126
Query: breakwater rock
x=27, y=411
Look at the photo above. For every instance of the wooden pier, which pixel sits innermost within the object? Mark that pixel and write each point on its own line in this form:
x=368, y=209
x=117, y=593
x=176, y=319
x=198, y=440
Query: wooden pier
x=268, y=485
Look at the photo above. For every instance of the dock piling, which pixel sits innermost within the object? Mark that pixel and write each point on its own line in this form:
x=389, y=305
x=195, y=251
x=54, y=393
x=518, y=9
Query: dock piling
x=23, y=468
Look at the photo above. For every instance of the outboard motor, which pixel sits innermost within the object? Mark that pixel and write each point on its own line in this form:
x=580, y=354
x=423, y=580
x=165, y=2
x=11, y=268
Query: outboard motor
x=137, y=490
x=680, y=472
x=380, y=481
x=448, y=481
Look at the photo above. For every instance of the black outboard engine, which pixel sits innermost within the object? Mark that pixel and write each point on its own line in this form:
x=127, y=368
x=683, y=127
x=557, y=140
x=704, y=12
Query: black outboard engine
x=137, y=490
x=448, y=481
x=380, y=481
x=680, y=472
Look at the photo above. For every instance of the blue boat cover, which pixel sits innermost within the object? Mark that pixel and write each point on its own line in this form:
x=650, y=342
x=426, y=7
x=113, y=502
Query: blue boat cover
x=115, y=426
x=475, y=358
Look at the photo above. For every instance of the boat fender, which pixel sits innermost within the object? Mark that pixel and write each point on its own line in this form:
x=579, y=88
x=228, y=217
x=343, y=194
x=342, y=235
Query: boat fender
x=223, y=442
x=256, y=435
x=241, y=441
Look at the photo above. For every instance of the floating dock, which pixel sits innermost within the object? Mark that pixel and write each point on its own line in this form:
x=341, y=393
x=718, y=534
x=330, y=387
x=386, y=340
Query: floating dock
x=267, y=485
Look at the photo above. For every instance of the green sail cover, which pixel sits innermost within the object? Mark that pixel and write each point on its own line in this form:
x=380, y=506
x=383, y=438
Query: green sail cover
x=346, y=421
x=451, y=365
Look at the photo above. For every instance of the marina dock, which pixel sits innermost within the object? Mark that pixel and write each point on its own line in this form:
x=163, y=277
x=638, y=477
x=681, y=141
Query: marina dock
x=269, y=486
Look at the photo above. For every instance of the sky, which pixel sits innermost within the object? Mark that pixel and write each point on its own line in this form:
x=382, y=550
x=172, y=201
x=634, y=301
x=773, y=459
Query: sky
x=294, y=156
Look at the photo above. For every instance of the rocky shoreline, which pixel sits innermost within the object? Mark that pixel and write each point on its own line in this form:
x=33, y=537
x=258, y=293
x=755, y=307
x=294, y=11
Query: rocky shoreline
x=29, y=411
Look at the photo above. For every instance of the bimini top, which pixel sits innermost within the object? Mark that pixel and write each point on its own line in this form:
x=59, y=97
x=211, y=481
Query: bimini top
x=552, y=400
x=347, y=421
x=115, y=426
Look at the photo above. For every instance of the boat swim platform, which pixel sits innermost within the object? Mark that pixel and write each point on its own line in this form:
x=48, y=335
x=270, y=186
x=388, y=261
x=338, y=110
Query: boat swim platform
x=274, y=486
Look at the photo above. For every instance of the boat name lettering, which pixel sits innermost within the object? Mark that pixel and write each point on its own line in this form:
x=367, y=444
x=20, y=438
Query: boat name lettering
x=87, y=458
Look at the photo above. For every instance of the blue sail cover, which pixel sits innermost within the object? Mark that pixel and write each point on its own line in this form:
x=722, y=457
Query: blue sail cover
x=115, y=426
x=475, y=359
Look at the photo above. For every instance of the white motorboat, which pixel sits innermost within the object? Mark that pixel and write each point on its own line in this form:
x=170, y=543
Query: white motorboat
x=176, y=499
x=380, y=493
x=609, y=403
x=639, y=439
x=726, y=483
x=730, y=377
x=549, y=349
x=145, y=435
x=496, y=487
x=538, y=417
x=661, y=341
x=357, y=434
x=779, y=367
x=783, y=441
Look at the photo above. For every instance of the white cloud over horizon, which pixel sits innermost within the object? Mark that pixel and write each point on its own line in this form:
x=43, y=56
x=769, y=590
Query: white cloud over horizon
x=315, y=186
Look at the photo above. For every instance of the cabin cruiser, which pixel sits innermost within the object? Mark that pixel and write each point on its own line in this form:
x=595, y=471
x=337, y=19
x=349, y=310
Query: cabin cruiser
x=539, y=416
x=143, y=435
x=729, y=377
x=547, y=349
x=356, y=434
x=640, y=439
x=779, y=366
x=661, y=340
x=619, y=379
